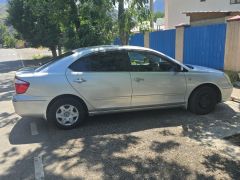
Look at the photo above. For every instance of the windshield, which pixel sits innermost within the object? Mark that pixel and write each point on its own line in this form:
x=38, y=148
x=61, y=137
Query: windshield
x=52, y=60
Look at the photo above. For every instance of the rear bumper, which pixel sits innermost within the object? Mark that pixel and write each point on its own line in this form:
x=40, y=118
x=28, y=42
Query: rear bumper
x=27, y=106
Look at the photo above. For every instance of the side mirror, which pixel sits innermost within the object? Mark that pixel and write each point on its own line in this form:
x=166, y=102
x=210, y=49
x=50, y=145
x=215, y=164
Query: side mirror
x=178, y=68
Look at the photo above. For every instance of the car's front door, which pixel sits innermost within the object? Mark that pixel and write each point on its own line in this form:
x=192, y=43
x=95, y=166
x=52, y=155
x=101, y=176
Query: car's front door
x=156, y=80
x=103, y=79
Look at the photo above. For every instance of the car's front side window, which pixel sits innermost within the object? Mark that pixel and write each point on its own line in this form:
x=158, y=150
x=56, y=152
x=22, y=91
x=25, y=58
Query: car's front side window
x=112, y=61
x=144, y=61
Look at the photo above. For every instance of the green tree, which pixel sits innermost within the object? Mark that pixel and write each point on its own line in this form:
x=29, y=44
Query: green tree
x=85, y=23
x=6, y=37
x=130, y=14
x=3, y=30
x=9, y=41
x=57, y=23
x=34, y=21
x=158, y=15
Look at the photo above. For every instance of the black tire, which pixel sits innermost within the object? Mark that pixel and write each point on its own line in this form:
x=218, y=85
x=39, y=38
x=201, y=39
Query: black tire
x=203, y=100
x=54, y=107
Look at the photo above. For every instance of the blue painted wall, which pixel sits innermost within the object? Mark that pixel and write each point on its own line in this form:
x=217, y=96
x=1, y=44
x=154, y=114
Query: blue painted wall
x=205, y=45
x=134, y=40
x=117, y=41
x=164, y=41
x=137, y=40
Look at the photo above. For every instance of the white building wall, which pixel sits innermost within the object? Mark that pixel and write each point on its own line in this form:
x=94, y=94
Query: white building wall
x=174, y=9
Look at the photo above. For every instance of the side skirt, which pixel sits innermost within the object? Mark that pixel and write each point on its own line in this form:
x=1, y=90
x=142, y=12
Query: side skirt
x=135, y=108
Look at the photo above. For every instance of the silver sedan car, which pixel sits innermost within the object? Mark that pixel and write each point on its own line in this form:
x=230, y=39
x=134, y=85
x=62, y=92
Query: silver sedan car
x=107, y=79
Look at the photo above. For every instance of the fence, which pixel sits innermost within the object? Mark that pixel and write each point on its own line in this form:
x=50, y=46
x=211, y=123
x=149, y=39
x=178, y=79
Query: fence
x=164, y=41
x=205, y=45
x=134, y=40
x=137, y=40
x=216, y=46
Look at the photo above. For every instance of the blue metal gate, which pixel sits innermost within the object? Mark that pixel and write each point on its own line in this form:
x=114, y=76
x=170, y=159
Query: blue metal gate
x=164, y=41
x=117, y=41
x=137, y=40
x=134, y=40
x=205, y=45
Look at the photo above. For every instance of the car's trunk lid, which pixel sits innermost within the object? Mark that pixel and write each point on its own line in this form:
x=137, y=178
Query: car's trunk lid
x=25, y=70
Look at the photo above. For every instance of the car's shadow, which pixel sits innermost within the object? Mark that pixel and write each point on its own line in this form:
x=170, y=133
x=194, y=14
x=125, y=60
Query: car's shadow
x=102, y=137
x=222, y=122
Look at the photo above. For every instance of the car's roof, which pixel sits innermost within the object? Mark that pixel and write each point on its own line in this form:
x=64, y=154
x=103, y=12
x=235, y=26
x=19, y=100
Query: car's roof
x=109, y=47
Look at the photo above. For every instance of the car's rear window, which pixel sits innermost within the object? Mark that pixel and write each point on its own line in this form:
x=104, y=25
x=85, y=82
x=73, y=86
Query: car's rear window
x=53, y=60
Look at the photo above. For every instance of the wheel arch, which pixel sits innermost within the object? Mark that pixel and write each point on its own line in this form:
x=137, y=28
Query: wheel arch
x=215, y=87
x=65, y=96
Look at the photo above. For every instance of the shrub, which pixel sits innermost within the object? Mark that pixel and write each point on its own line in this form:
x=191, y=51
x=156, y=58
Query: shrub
x=234, y=76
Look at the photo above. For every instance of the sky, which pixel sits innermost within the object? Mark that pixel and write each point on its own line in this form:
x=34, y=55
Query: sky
x=3, y=1
x=159, y=5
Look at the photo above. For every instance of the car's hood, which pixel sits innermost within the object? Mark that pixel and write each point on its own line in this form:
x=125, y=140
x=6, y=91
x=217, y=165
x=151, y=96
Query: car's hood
x=203, y=69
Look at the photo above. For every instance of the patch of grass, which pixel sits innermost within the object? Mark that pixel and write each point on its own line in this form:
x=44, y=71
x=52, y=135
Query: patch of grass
x=39, y=57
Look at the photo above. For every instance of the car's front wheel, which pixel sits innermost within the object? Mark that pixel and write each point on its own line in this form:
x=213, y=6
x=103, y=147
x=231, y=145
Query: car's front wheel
x=203, y=100
x=66, y=113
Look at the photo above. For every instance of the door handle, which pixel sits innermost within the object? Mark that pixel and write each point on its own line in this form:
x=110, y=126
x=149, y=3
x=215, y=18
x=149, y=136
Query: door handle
x=137, y=79
x=80, y=80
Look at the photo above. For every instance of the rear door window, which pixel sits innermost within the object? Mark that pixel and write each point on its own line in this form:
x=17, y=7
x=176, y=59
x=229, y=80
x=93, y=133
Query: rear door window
x=111, y=61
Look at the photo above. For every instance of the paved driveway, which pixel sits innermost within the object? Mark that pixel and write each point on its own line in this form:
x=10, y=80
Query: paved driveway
x=167, y=144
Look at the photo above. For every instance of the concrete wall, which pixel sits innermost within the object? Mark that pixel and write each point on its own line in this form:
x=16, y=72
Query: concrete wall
x=146, y=39
x=232, y=46
x=200, y=19
x=179, y=43
x=174, y=9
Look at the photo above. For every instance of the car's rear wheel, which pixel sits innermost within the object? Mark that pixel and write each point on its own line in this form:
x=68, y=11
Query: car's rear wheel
x=203, y=100
x=66, y=113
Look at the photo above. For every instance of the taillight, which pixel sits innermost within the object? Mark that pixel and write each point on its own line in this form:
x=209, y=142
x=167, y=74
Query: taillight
x=21, y=86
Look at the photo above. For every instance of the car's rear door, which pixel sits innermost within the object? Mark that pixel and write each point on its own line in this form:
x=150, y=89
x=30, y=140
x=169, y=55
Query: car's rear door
x=156, y=80
x=103, y=79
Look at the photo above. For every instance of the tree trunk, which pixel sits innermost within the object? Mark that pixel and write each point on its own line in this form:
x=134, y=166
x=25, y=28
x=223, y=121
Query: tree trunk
x=121, y=23
x=75, y=17
x=151, y=10
x=59, y=50
x=54, y=51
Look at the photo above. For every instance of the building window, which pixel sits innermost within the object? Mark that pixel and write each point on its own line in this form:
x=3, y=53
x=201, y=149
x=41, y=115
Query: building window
x=202, y=0
x=234, y=1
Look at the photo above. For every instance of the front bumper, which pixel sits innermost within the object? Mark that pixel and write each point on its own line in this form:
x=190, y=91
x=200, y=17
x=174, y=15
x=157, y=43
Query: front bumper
x=226, y=93
x=28, y=106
